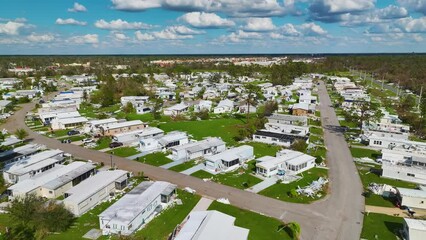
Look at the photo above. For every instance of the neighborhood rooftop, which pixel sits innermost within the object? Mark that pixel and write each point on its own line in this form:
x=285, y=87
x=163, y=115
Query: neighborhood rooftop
x=131, y=204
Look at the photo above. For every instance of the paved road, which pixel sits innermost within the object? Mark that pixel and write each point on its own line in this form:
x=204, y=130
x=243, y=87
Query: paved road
x=338, y=216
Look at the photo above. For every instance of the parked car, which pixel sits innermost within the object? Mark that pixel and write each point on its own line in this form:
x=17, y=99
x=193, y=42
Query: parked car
x=73, y=132
x=87, y=140
x=115, y=144
x=66, y=141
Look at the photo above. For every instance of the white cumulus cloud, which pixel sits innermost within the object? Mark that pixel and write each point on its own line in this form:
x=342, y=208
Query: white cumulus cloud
x=121, y=25
x=241, y=8
x=70, y=21
x=11, y=28
x=331, y=10
x=144, y=36
x=239, y=36
x=77, y=8
x=312, y=29
x=259, y=25
x=41, y=38
x=416, y=5
x=206, y=20
x=85, y=39
x=119, y=36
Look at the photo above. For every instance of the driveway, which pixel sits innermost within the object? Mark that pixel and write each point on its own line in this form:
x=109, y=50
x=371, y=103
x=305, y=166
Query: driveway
x=338, y=216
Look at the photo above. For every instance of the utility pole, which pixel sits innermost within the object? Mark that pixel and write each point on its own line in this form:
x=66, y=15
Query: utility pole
x=420, y=98
x=111, y=161
x=398, y=90
x=383, y=82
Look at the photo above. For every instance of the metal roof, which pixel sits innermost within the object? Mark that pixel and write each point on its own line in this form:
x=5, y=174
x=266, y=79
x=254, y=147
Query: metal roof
x=92, y=185
x=135, y=201
x=68, y=177
x=211, y=225
x=406, y=192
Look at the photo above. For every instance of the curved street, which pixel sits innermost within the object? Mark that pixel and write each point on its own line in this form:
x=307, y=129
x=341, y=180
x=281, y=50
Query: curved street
x=337, y=216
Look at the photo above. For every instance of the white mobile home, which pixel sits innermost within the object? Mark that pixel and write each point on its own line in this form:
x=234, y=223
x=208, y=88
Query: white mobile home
x=404, y=172
x=31, y=166
x=176, y=109
x=230, y=159
x=286, y=162
x=94, y=190
x=131, y=211
x=206, y=147
x=132, y=138
x=93, y=126
x=68, y=123
x=56, y=187
x=172, y=139
x=18, y=153
x=414, y=229
x=210, y=225
x=288, y=119
x=277, y=138
x=122, y=127
x=412, y=198
x=224, y=106
x=42, y=185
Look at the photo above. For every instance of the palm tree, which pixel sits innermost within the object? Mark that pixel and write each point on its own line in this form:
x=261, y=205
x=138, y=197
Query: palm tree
x=21, y=133
x=251, y=90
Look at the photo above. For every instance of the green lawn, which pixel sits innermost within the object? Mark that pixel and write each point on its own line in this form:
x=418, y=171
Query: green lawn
x=262, y=149
x=317, y=113
x=316, y=130
x=314, y=123
x=183, y=166
x=345, y=123
x=162, y=226
x=377, y=200
x=281, y=191
x=60, y=133
x=147, y=117
x=224, y=128
x=82, y=224
x=5, y=221
x=102, y=143
x=316, y=139
x=362, y=152
x=318, y=151
x=380, y=226
x=261, y=227
x=124, y=151
x=155, y=159
x=87, y=110
x=368, y=177
x=238, y=179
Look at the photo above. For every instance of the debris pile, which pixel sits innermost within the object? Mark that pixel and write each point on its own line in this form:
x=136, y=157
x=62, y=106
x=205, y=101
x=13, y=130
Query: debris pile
x=312, y=189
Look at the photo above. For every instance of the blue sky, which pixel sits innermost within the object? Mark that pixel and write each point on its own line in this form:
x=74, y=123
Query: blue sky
x=211, y=26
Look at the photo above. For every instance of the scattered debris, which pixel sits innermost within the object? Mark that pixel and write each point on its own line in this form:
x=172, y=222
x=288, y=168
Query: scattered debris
x=313, y=188
x=190, y=190
x=223, y=200
x=382, y=189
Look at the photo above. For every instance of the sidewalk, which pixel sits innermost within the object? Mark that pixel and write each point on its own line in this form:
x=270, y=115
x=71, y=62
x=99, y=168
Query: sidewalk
x=172, y=164
x=203, y=204
x=262, y=185
x=193, y=169
x=393, y=211
x=138, y=155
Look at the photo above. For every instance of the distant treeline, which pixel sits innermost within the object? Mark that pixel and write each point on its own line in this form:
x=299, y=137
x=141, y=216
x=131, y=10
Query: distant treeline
x=407, y=69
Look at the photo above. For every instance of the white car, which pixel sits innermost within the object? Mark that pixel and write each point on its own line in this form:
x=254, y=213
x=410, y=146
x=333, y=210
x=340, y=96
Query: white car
x=87, y=140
